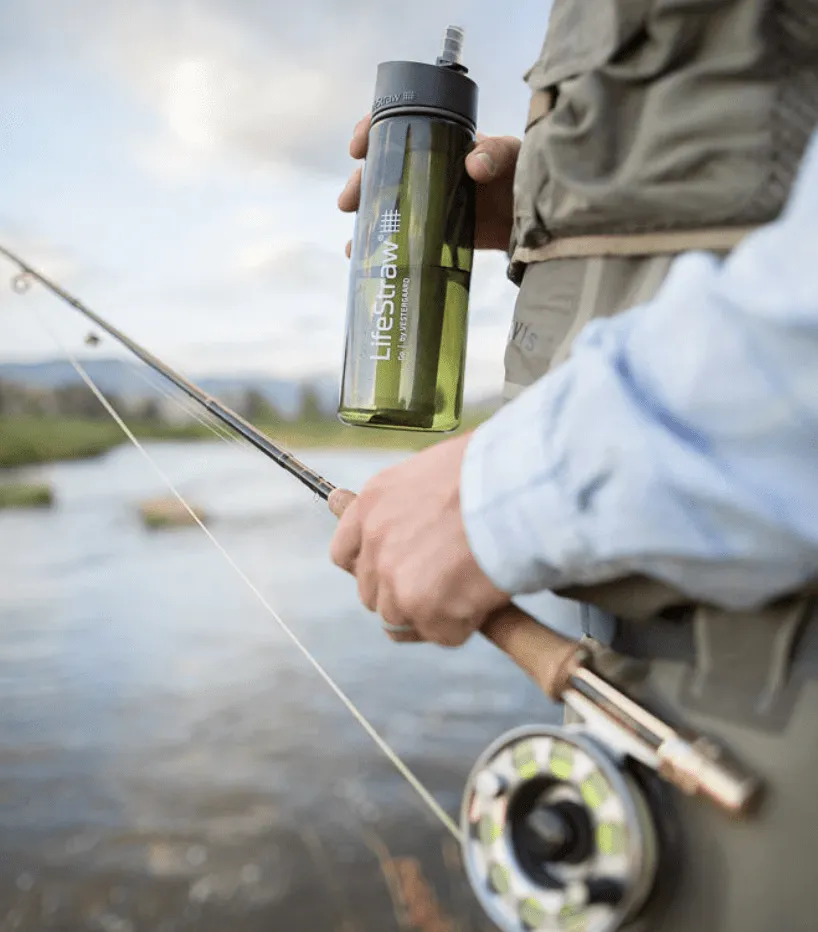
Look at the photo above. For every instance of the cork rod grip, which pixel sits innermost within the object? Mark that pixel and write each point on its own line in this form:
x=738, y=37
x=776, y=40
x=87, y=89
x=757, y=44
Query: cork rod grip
x=547, y=657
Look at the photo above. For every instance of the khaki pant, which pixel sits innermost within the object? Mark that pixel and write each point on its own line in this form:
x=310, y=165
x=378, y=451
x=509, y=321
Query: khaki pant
x=754, y=875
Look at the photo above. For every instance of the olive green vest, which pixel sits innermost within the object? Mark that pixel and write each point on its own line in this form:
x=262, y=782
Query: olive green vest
x=660, y=117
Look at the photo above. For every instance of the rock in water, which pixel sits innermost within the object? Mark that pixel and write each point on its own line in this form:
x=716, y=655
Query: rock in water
x=168, y=512
x=25, y=495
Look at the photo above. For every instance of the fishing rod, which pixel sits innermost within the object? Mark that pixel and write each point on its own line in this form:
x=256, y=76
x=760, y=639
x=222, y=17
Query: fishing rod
x=558, y=828
x=315, y=482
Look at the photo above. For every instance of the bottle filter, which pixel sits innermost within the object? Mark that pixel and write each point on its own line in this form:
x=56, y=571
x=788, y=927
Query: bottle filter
x=412, y=249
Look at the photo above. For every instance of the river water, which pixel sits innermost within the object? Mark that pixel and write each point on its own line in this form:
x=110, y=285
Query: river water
x=168, y=758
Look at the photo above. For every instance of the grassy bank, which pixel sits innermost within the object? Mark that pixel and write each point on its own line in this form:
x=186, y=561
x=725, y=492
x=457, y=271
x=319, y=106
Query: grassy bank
x=27, y=440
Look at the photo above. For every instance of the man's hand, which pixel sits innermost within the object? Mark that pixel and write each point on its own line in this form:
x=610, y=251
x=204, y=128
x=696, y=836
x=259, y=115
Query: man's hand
x=403, y=539
x=491, y=164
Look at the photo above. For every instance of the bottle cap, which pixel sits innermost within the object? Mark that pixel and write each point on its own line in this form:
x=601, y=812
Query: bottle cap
x=443, y=88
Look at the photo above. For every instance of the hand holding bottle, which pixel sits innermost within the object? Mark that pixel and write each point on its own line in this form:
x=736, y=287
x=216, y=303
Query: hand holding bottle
x=491, y=164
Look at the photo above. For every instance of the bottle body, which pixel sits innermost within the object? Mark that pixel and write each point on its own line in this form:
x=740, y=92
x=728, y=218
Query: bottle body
x=410, y=275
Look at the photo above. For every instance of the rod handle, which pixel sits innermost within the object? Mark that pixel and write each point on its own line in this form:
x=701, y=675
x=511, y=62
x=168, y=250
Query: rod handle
x=548, y=658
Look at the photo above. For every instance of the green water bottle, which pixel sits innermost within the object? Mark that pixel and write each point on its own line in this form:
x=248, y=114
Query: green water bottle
x=412, y=249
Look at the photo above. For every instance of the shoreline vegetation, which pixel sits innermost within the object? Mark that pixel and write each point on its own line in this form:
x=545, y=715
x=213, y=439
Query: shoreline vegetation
x=25, y=495
x=27, y=440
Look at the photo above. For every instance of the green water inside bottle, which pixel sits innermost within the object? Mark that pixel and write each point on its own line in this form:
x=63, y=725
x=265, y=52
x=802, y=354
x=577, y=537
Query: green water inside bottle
x=411, y=261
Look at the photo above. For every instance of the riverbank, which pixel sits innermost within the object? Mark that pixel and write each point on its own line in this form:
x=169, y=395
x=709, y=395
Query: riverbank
x=28, y=440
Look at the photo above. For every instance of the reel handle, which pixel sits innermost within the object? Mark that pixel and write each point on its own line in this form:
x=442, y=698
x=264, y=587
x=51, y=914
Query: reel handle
x=547, y=657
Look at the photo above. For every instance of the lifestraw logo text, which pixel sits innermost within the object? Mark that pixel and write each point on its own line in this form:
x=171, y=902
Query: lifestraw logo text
x=383, y=311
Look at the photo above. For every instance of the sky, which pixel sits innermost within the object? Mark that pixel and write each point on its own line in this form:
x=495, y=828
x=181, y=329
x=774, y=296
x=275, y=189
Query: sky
x=176, y=164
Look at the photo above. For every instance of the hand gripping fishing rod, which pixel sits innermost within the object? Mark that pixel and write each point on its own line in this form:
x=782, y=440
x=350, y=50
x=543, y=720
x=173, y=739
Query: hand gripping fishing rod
x=558, y=832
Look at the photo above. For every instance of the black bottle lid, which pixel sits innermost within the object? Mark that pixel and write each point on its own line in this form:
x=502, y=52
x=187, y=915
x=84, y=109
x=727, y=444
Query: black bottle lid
x=442, y=88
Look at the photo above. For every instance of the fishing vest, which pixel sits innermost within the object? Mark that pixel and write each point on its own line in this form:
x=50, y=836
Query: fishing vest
x=658, y=126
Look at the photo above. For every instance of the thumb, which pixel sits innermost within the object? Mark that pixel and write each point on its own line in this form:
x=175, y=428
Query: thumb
x=339, y=500
x=492, y=157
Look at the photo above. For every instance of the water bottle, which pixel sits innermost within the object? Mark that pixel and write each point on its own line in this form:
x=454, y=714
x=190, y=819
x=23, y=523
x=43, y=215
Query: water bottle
x=412, y=249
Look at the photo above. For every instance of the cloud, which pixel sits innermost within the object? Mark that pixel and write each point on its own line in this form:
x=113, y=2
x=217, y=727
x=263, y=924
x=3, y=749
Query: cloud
x=294, y=265
x=239, y=79
x=254, y=217
x=61, y=265
x=15, y=35
x=168, y=161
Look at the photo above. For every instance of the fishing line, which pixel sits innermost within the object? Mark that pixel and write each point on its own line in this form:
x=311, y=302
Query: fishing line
x=205, y=419
x=392, y=756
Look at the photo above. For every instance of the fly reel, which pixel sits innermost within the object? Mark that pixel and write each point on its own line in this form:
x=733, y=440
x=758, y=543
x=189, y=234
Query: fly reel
x=557, y=837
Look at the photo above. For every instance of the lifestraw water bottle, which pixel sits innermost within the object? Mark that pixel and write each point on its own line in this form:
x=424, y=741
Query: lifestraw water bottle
x=412, y=249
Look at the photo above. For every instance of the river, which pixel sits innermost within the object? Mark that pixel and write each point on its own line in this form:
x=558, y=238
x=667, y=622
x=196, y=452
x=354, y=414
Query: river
x=170, y=761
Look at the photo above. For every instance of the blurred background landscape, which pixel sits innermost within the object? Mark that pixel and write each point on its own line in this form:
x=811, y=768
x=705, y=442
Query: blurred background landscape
x=168, y=759
x=47, y=411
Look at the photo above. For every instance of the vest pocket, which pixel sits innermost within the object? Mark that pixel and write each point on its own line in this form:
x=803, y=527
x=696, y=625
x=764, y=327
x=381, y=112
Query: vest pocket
x=584, y=35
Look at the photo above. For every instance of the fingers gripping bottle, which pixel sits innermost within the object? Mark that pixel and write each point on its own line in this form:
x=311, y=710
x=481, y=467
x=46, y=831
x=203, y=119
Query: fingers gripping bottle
x=412, y=249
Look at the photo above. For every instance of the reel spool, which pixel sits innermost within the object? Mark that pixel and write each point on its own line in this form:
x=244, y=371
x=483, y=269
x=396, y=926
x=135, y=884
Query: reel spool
x=557, y=836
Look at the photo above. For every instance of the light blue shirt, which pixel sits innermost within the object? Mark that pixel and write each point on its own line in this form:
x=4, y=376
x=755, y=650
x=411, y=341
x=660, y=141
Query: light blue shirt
x=679, y=441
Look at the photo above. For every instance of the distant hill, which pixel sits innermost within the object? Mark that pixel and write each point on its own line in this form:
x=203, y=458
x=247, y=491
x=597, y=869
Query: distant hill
x=134, y=381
